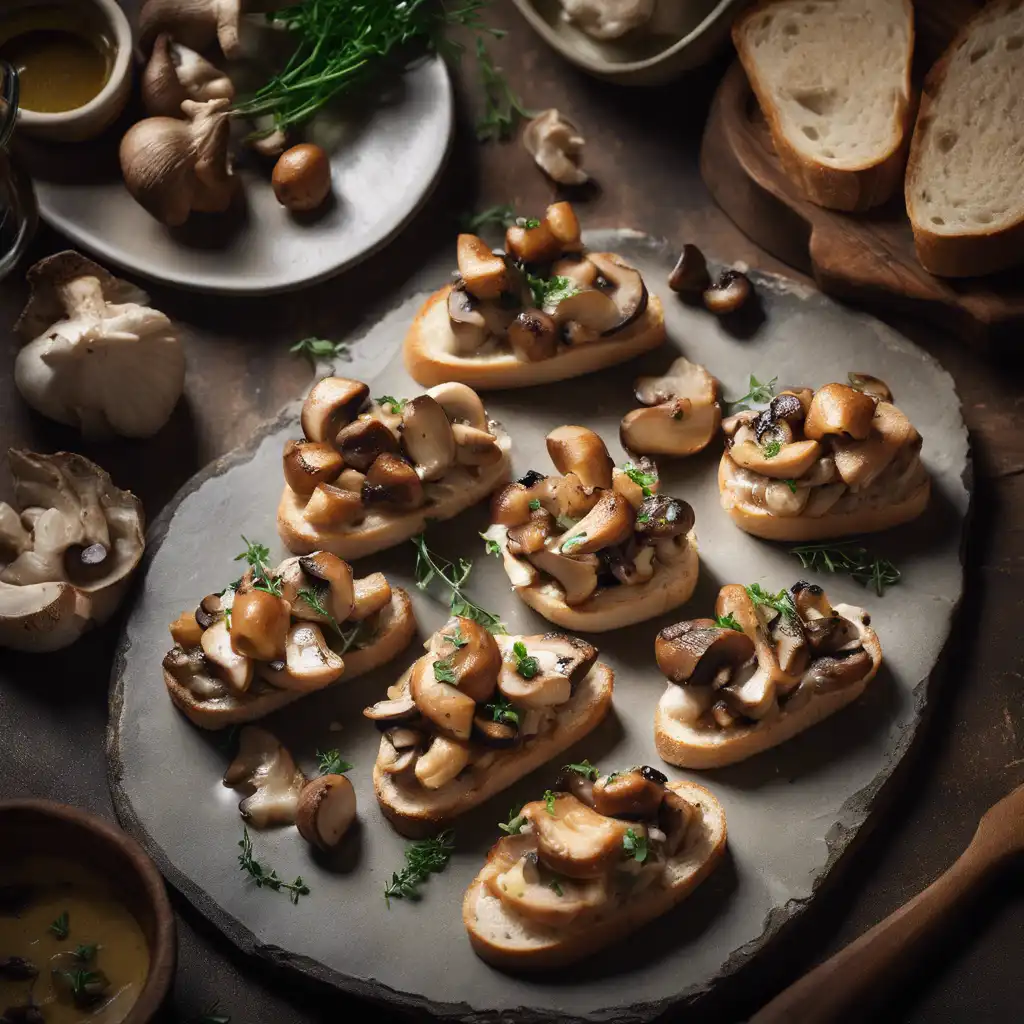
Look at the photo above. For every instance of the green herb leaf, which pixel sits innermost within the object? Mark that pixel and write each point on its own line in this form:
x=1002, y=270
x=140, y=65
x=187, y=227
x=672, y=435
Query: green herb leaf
x=758, y=394
x=852, y=559
x=782, y=602
x=646, y=481
x=263, y=878
x=728, y=622
x=456, y=639
x=257, y=555
x=81, y=982
x=584, y=768
x=396, y=405
x=549, y=802
x=515, y=822
x=535, y=504
x=61, y=926
x=635, y=846
x=575, y=541
x=85, y=953
x=315, y=349
x=529, y=223
x=501, y=710
x=494, y=216
x=791, y=484
x=526, y=665
x=422, y=859
x=502, y=107
x=644, y=517
x=556, y=887
x=430, y=565
x=329, y=762
x=771, y=448
x=549, y=293
x=443, y=670
x=492, y=547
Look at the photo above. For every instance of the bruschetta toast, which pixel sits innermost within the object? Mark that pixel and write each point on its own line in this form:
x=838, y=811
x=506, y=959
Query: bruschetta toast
x=478, y=712
x=594, y=547
x=543, y=309
x=274, y=636
x=590, y=863
x=370, y=473
x=816, y=465
x=767, y=667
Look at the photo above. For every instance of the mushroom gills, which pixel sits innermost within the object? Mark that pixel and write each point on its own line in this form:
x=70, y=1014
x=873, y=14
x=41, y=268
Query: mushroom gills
x=265, y=768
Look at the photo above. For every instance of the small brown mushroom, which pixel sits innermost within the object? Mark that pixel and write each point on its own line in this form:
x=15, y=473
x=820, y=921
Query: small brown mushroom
x=337, y=574
x=326, y=810
x=265, y=769
x=577, y=575
x=532, y=245
x=427, y=437
x=577, y=268
x=832, y=672
x=309, y=463
x=729, y=293
x=563, y=223
x=662, y=516
x=533, y=336
x=475, y=447
x=472, y=656
x=331, y=403
x=511, y=505
x=441, y=762
x=608, y=523
x=626, y=288
x=393, y=481
x=370, y=595
x=699, y=653
x=529, y=537
x=309, y=662
x=483, y=273
x=490, y=733
x=259, y=625
x=302, y=178
x=579, y=450
x=185, y=631
x=786, y=462
x=332, y=506
x=636, y=794
x=838, y=409
x=575, y=840
x=386, y=714
x=363, y=441
x=861, y=462
x=461, y=404
x=870, y=385
x=674, y=428
x=468, y=324
x=447, y=707
x=690, y=274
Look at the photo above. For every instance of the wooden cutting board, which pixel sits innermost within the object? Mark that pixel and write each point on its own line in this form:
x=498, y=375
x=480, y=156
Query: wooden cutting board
x=867, y=257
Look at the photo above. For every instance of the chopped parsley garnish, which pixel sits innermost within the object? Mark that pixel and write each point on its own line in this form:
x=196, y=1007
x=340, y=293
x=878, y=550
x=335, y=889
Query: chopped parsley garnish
x=771, y=448
x=515, y=822
x=728, y=622
x=645, y=481
x=501, y=710
x=491, y=546
x=526, y=665
x=396, y=405
x=422, y=859
x=549, y=802
x=757, y=395
x=330, y=762
x=535, y=504
x=527, y=222
x=644, y=517
x=549, y=293
x=782, y=602
x=444, y=672
x=555, y=887
x=853, y=560
x=319, y=348
x=584, y=768
x=635, y=846
x=791, y=484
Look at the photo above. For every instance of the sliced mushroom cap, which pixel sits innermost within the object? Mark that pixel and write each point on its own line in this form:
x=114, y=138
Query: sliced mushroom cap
x=511, y=505
x=309, y=463
x=337, y=574
x=475, y=657
x=467, y=321
x=331, y=403
x=585, y=315
x=490, y=733
x=483, y=273
x=461, y=404
x=607, y=524
x=441, y=762
x=860, y=463
x=729, y=293
x=785, y=409
x=259, y=625
x=833, y=671
x=574, y=840
x=556, y=147
x=387, y=713
x=370, y=595
x=233, y=668
x=447, y=707
x=532, y=245
x=683, y=379
x=475, y=447
x=631, y=563
x=309, y=663
x=579, y=450
x=791, y=646
x=690, y=274
x=627, y=288
x=753, y=697
x=546, y=688
x=363, y=441
x=870, y=386
x=533, y=336
x=333, y=506
x=790, y=462
x=734, y=600
x=663, y=516
x=266, y=769
x=578, y=269
x=393, y=761
x=185, y=631
x=530, y=537
x=700, y=653
x=562, y=662
x=211, y=608
x=393, y=481
x=676, y=428
x=428, y=438
x=780, y=498
x=577, y=575
x=636, y=794
x=326, y=810
x=838, y=409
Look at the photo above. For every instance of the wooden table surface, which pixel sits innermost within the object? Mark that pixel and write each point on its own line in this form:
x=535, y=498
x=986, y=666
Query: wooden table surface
x=642, y=151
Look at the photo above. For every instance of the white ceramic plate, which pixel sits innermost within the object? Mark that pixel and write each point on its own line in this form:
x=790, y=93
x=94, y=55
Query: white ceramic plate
x=384, y=168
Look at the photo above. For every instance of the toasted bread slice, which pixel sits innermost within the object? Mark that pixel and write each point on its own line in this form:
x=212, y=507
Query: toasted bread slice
x=430, y=359
x=759, y=522
x=613, y=607
x=963, y=179
x=511, y=942
x=416, y=811
x=395, y=631
x=460, y=489
x=833, y=81
x=680, y=743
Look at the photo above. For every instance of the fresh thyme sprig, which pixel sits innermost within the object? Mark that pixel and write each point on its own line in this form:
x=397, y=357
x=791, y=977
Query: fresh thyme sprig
x=256, y=554
x=502, y=107
x=330, y=762
x=782, y=602
x=315, y=600
x=263, y=878
x=515, y=823
x=728, y=622
x=61, y=926
x=584, y=768
x=852, y=559
x=422, y=859
x=645, y=481
x=758, y=394
x=315, y=349
x=502, y=710
x=429, y=565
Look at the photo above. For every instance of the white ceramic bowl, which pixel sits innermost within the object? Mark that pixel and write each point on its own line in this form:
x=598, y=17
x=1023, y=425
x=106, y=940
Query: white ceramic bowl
x=99, y=113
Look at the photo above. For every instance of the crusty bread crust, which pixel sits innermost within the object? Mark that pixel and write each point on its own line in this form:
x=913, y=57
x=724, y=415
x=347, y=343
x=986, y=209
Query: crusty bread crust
x=984, y=251
x=430, y=361
x=542, y=948
x=415, y=811
x=762, y=523
x=379, y=530
x=681, y=744
x=616, y=607
x=849, y=189
x=396, y=629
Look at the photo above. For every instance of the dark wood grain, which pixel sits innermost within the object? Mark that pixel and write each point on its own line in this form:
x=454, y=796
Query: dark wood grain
x=643, y=151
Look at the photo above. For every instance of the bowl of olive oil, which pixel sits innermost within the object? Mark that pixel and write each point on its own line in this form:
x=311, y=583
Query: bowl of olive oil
x=74, y=63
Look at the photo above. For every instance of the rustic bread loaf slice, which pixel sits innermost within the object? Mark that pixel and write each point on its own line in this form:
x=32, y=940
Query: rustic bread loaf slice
x=963, y=186
x=833, y=81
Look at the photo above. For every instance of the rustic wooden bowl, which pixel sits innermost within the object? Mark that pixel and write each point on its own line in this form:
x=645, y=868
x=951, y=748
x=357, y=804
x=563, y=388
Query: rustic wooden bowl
x=39, y=826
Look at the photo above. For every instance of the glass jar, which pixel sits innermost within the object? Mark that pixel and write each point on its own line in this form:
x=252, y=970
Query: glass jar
x=17, y=200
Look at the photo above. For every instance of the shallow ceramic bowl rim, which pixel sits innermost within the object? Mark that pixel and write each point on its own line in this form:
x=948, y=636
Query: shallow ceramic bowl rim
x=609, y=67
x=163, y=948
x=122, y=33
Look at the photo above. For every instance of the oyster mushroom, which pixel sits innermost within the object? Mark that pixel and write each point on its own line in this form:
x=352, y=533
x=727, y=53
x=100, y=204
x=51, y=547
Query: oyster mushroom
x=700, y=653
x=556, y=147
x=50, y=594
x=447, y=707
x=484, y=274
x=326, y=810
x=561, y=663
x=609, y=523
x=683, y=379
x=579, y=450
x=98, y=357
x=199, y=23
x=386, y=714
x=176, y=73
x=235, y=669
x=174, y=168
x=837, y=409
x=861, y=462
x=441, y=762
x=393, y=481
x=427, y=437
x=307, y=464
x=363, y=441
x=574, y=840
x=636, y=794
x=331, y=404
x=264, y=769
x=674, y=428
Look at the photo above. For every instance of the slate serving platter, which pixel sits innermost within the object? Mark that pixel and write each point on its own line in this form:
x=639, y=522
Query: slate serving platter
x=791, y=811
